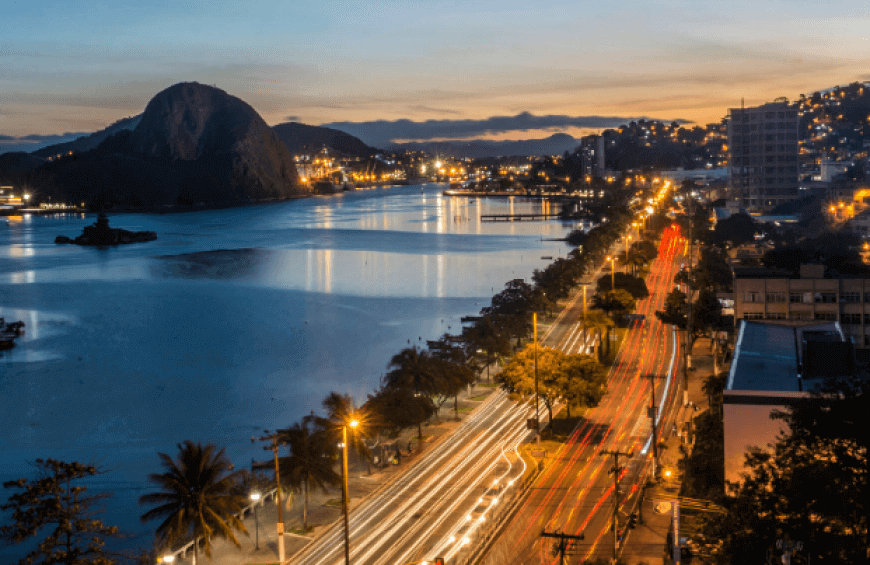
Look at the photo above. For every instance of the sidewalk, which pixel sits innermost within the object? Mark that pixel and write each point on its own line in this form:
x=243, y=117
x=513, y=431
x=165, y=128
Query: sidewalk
x=324, y=509
x=647, y=542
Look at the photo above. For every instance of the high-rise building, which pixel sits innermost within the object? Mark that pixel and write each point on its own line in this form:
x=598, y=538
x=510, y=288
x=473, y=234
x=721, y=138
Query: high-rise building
x=763, y=145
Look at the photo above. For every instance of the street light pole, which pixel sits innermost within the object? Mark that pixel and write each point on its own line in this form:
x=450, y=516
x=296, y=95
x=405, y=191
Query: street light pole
x=344, y=497
x=255, y=496
x=612, y=274
x=537, y=410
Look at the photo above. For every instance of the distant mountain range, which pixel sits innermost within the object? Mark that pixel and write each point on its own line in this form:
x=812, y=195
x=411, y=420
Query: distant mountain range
x=556, y=144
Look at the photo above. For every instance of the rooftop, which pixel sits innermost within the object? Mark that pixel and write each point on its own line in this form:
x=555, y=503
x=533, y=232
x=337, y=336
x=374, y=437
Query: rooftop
x=770, y=357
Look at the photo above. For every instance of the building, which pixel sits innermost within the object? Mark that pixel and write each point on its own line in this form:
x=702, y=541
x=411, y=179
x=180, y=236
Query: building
x=775, y=366
x=763, y=145
x=811, y=297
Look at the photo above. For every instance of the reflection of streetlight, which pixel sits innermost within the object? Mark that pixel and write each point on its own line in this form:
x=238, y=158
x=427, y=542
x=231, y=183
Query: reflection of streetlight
x=352, y=424
x=255, y=496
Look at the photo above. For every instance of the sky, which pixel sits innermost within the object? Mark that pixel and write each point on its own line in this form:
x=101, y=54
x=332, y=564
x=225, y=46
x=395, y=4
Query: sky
x=79, y=66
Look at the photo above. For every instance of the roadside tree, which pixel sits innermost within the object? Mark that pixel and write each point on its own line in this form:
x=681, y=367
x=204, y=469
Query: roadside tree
x=197, y=497
x=395, y=409
x=310, y=461
x=55, y=508
x=635, y=286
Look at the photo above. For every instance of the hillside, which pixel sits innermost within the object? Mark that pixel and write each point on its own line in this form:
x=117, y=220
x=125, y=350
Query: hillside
x=194, y=145
x=302, y=138
x=88, y=142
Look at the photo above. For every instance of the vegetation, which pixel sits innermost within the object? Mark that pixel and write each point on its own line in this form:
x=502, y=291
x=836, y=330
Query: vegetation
x=56, y=509
x=810, y=486
x=197, y=497
x=574, y=379
x=311, y=459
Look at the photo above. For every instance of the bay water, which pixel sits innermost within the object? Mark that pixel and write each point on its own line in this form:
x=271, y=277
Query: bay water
x=233, y=321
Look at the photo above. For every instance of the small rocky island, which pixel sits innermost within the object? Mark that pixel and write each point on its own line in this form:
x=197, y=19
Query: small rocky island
x=101, y=234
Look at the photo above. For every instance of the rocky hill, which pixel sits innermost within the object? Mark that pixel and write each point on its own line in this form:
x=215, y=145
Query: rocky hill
x=195, y=145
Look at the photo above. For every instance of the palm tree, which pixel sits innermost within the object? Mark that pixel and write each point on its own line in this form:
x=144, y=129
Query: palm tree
x=339, y=411
x=413, y=368
x=310, y=463
x=635, y=259
x=198, y=497
x=601, y=325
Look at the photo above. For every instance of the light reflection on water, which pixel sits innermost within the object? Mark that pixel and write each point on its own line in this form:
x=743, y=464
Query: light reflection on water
x=234, y=321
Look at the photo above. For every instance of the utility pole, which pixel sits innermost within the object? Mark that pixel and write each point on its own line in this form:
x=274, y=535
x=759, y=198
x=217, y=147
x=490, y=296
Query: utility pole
x=688, y=354
x=537, y=410
x=274, y=448
x=561, y=546
x=615, y=471
x=652, y=414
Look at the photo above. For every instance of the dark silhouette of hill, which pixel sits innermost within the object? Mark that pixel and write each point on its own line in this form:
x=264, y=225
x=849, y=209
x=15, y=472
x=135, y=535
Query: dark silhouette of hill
x=195, y=145
x=19, y=162
x=556, y=144
x=88, y=142
x=302, y=138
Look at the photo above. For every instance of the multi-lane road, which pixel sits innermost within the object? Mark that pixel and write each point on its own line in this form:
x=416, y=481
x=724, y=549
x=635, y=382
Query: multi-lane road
x=575, y=493
x=438, y=505
x=435, y=507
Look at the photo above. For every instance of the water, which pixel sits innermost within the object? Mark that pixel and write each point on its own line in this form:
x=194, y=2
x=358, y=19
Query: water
x=233, y=321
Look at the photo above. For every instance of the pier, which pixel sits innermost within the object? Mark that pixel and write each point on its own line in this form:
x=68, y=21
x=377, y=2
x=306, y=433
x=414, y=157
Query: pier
x=517, y=217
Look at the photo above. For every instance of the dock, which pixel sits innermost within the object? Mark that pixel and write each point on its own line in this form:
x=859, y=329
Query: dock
x=517, y=217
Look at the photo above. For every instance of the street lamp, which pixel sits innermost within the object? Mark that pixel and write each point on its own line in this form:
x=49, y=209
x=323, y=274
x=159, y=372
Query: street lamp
x=353, y=424
x=612, y=274
x=537, y=410
x=255, y=496
x=168, y=558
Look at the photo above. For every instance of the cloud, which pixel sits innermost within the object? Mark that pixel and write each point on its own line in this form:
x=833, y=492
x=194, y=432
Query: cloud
x=292, y=119
x=382, y=133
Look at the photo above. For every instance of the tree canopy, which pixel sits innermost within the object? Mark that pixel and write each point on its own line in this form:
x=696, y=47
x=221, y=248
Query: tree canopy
x=577, y=379
x=56, y=508
x=810, y=486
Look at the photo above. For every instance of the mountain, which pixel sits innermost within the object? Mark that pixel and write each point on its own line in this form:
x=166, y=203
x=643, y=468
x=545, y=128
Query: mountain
x=194, y=145
x=88, y=142
x=302, y=138
x=19, y=162
x=556, y=144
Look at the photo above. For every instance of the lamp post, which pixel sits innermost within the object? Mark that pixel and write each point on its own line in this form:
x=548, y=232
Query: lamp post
x=344, y=504
x=612, y=274
x=255, y=496
x=537, y=410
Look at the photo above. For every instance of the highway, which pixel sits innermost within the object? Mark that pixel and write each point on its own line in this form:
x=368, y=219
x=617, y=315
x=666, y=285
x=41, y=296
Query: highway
x=434, y=507
x=574, y=495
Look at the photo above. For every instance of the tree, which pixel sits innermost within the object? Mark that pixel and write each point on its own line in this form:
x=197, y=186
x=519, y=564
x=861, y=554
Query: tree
x=197, y=497
x=614, y=303
x=600, y=324
x=452, y=367
x=56, y=499
x=511, y=309
x=712, y=272
x=310, y=462
x=811, y=485
x=574, y=378
x=675, y=309
x=583, y=382
x=339, y=412
x=736, y=230
x=413, y=368
x=633, y=285
x=483, y=336
x=395, y=409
